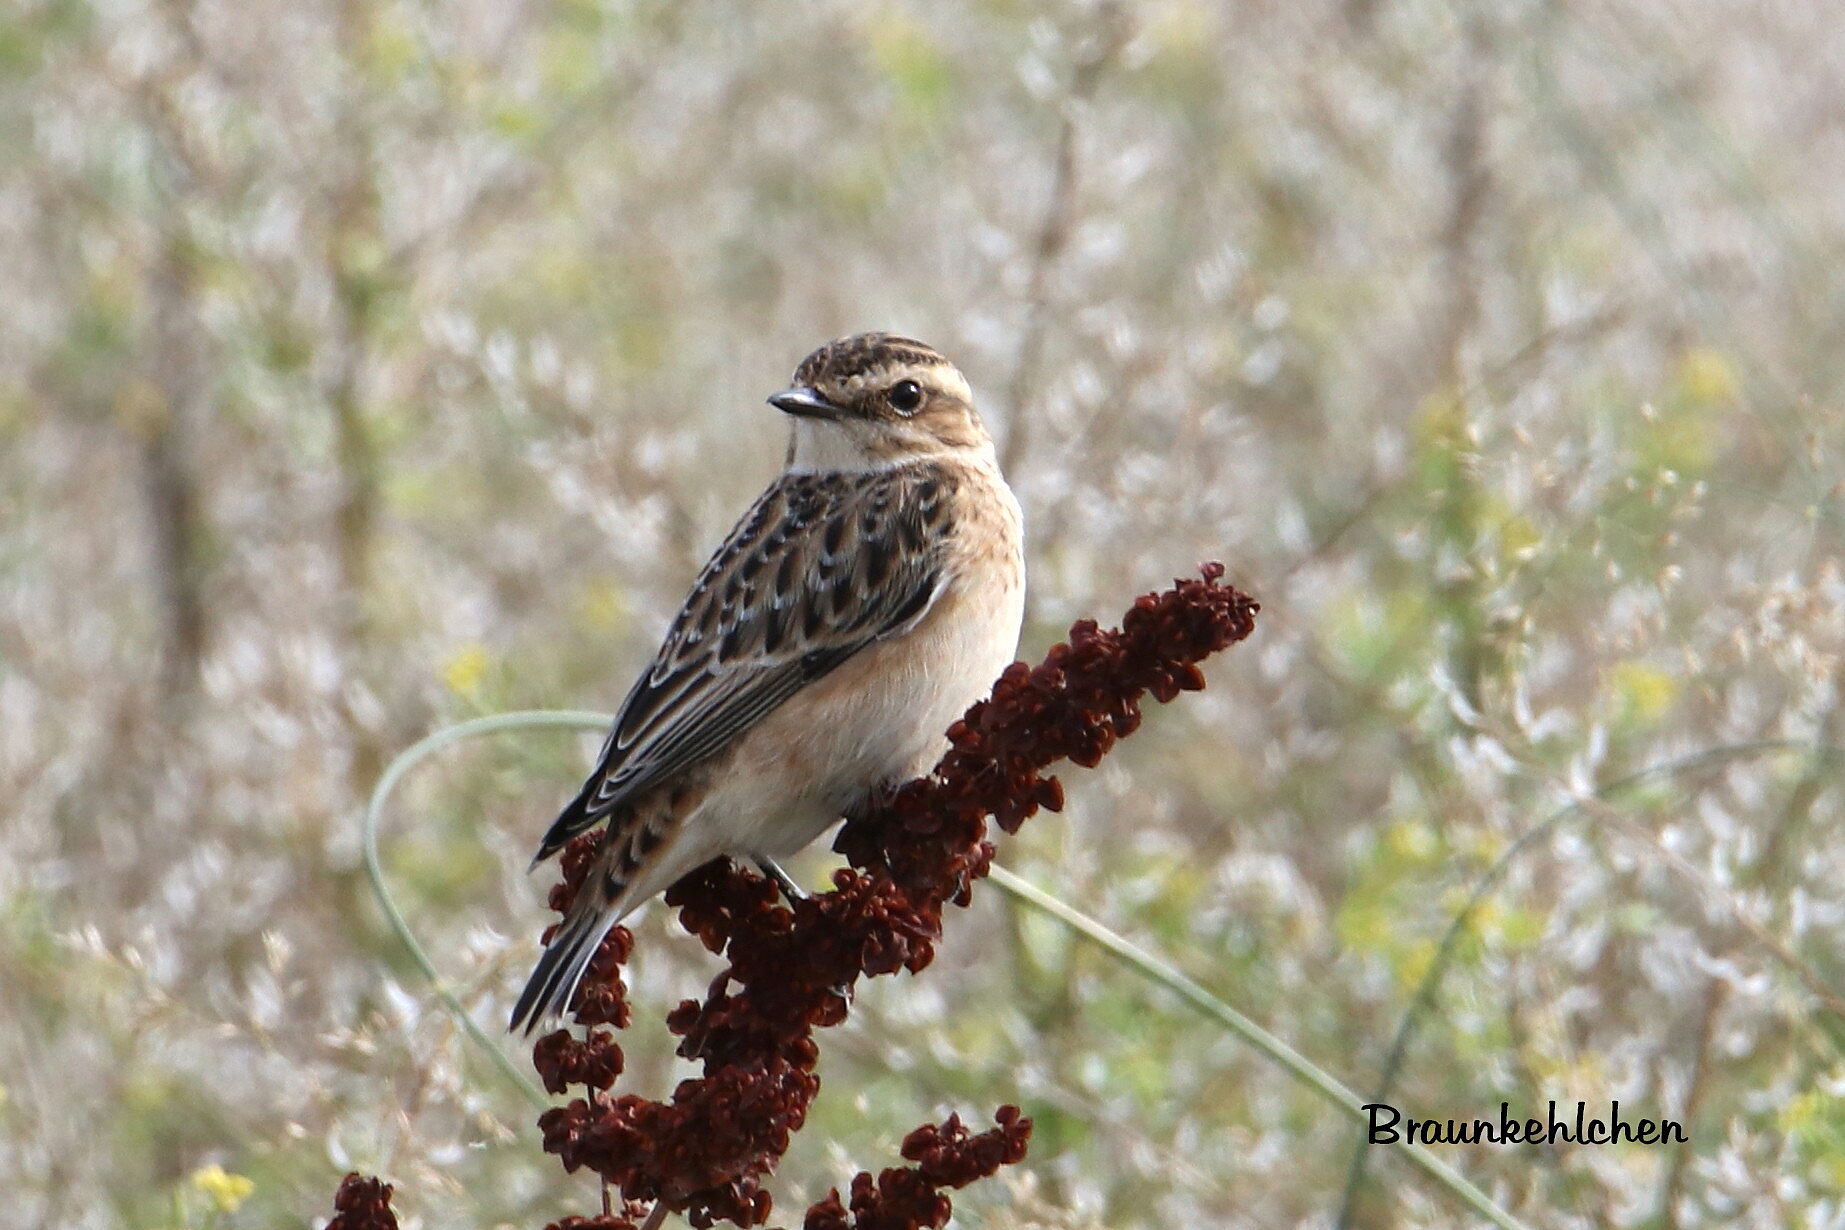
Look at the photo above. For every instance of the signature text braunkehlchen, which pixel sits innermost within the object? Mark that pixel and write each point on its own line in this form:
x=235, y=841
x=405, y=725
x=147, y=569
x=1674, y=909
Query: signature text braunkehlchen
x=1389, y=1126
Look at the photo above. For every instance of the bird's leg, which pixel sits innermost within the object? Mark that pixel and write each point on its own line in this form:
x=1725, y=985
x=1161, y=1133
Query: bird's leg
x=656, y=1217
x=793, y=893
x=783, y=880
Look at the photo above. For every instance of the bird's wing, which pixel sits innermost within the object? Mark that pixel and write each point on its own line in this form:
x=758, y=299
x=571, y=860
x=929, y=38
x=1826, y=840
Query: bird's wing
x=820, y=567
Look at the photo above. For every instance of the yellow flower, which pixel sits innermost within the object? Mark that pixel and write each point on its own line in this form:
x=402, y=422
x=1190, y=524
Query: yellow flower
x=226, y=1190
x=1415, y=962
x=1645, y=692
x=466, y=669
x=1707, y=377
x=601, y=605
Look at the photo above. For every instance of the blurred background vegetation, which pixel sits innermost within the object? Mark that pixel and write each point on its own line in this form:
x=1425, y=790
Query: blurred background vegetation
x=373, y=364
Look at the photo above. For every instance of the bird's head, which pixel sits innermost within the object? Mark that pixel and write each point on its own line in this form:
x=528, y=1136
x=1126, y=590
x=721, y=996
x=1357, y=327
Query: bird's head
x=874, y=399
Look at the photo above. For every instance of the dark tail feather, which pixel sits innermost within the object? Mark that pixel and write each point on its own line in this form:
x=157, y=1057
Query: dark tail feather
x=574, y=819
x=553, y=984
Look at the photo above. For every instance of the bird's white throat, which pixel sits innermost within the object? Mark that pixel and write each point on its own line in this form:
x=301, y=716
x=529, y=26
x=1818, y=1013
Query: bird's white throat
x=821, y=446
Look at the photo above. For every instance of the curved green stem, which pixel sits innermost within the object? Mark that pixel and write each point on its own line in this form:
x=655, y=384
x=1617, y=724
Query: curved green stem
x=374, y=869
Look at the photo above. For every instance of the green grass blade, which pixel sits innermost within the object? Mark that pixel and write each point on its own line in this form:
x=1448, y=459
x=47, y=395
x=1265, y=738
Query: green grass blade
x=1291, y=1061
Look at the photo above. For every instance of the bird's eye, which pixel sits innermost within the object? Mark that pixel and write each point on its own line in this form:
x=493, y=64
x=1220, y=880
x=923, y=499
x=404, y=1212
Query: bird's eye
x=905, y=396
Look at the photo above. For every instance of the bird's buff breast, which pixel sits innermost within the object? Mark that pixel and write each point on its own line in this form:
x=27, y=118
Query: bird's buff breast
x=882, y=717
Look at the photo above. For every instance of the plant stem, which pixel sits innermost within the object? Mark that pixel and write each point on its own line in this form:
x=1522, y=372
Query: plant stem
x=1295, y=1064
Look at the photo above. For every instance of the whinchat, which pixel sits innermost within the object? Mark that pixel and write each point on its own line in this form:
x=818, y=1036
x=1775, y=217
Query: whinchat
x=866, y=599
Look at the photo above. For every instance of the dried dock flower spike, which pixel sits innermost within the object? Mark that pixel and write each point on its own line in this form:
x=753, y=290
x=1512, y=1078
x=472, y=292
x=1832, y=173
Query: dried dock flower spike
x=790, y=969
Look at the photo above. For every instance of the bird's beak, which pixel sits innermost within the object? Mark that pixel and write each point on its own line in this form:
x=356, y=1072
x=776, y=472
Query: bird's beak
x=804, y=402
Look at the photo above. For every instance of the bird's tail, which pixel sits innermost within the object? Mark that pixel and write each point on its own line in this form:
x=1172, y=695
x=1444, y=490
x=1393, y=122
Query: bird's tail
x=553, y=984
x=574, y=819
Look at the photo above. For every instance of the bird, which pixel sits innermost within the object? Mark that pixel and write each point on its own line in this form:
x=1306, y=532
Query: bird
x=872, y=593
